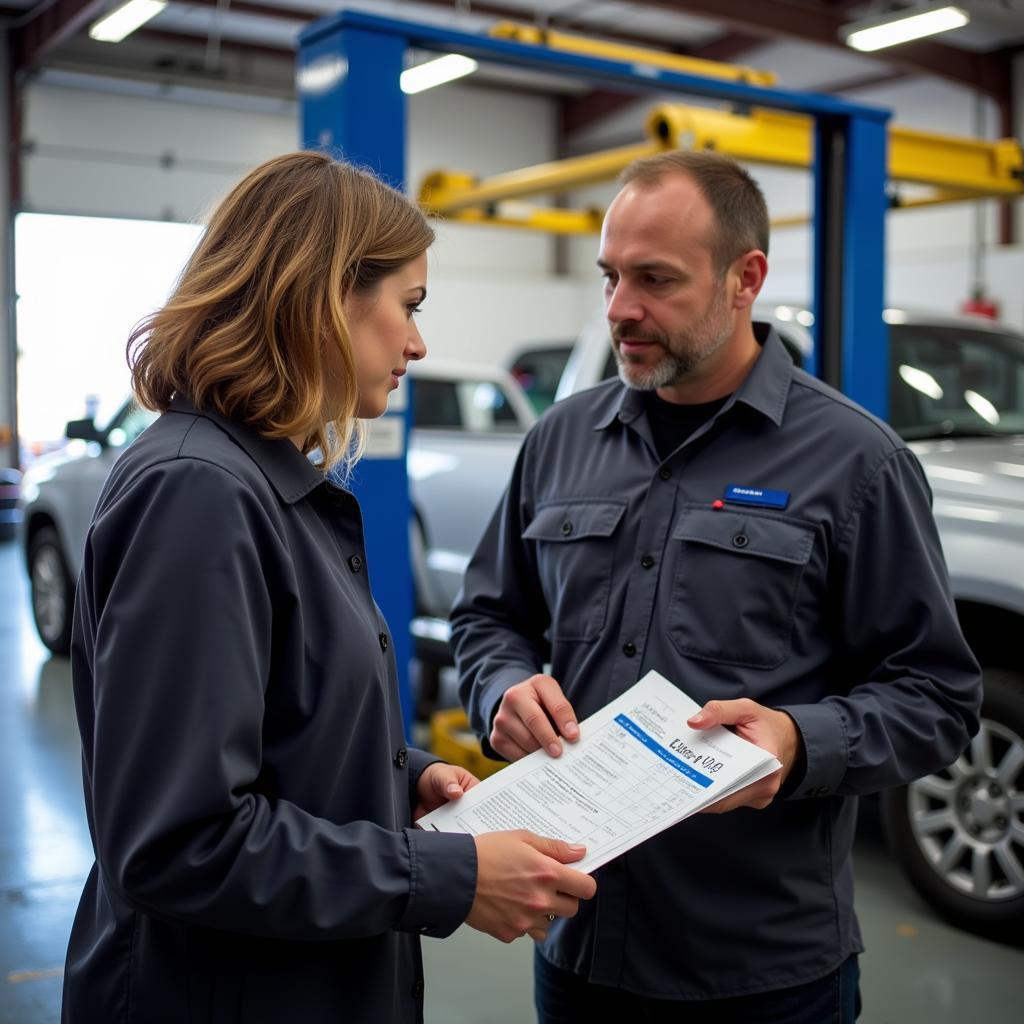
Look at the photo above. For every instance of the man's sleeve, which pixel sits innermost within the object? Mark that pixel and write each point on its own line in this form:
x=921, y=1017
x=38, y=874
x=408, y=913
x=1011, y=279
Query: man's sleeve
x=500, y=615
x=178, y=593
x=910, y=688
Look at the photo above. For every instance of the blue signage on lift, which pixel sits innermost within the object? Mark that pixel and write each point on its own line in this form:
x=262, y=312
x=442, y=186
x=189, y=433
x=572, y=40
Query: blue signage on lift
x=756, y=496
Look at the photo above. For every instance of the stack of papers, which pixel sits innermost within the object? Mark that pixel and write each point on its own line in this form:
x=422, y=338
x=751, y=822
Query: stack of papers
x=636, y=770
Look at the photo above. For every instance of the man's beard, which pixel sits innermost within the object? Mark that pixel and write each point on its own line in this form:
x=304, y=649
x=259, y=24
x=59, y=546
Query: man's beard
x=682, y=353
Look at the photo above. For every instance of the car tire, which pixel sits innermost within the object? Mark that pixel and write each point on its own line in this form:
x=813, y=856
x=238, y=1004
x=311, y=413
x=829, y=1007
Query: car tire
x=52, y=591
x=959, y=834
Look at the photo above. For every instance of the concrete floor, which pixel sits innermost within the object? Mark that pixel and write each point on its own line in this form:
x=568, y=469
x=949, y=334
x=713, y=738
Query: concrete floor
x=917, y=968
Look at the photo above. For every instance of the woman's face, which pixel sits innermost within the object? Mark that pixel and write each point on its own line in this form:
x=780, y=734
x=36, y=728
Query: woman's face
x=384, y=334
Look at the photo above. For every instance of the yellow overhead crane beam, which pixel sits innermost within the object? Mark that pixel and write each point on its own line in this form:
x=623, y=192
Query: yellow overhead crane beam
x=971, y=167
x=639, y=56
x=955, y=169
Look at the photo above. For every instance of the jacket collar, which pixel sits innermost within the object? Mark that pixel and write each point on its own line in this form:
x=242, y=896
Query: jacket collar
x=289, y=472
x=765, y=390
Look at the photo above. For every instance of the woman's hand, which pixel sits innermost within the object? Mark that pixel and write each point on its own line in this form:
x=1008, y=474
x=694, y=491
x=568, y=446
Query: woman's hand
x=438, y=783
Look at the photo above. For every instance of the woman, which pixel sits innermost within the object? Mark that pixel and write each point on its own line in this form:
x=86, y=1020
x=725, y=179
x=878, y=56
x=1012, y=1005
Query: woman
x=249, y=791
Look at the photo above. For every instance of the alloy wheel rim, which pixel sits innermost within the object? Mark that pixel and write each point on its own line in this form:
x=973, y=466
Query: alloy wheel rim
x=48, y=592
x=968, y=821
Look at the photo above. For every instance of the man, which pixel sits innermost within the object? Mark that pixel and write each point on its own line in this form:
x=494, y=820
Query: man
x=730, y=521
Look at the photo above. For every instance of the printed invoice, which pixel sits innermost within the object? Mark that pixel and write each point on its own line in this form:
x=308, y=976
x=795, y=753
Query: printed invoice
x=636, y=770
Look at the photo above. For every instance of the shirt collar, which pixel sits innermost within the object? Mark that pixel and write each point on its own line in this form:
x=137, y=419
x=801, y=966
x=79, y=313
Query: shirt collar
x=765, y=389
x=289, y=472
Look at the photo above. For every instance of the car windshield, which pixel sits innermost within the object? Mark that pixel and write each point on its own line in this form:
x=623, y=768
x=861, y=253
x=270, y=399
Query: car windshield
x=955, y=381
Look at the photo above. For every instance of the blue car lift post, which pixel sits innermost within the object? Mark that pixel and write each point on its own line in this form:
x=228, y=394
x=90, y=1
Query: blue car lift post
x=352, y=106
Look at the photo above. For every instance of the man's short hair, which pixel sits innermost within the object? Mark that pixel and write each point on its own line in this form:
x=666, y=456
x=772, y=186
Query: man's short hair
x=736, y=200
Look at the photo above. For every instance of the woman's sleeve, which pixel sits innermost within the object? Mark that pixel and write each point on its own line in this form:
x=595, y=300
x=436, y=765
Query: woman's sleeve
x=174, y=634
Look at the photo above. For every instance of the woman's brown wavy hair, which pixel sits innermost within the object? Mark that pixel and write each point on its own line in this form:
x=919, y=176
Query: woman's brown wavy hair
x=246, y=329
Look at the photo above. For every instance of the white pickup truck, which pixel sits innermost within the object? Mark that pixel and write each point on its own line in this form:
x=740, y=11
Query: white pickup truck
x=957, y=397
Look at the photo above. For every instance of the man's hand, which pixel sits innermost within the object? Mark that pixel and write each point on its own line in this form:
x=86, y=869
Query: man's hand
x=521, y=878
x=438, y=783
x=771, y=730
x=523, y=720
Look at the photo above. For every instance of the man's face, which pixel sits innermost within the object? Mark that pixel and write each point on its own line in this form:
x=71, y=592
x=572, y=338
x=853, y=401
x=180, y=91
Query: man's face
x=668, y=307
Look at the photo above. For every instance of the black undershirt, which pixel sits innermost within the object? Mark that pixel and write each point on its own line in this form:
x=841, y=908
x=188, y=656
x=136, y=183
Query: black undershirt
x=672, y=424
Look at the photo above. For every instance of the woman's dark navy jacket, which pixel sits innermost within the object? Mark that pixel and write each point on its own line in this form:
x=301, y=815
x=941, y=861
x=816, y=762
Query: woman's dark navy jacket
x=247, y=783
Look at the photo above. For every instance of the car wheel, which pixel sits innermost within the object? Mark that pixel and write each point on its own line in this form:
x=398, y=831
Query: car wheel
x=959, y=834
x=53, y=594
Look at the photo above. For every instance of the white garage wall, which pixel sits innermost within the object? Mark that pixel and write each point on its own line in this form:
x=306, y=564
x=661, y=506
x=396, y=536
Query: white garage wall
x=116, y=155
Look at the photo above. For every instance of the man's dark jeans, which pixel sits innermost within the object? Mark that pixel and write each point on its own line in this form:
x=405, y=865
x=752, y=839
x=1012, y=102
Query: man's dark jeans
x=565, y=998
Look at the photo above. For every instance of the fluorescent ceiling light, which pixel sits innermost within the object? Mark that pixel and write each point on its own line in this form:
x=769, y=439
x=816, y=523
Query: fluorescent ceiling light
x=437, y=72
x=124, y=20
x=902, y=26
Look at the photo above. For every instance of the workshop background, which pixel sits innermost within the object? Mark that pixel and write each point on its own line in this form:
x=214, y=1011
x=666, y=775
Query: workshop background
x=114, y=151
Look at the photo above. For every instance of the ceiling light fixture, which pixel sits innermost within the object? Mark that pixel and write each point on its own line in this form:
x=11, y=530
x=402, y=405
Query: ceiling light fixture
x=437, y=72
x=124, y=20
x=902, y=26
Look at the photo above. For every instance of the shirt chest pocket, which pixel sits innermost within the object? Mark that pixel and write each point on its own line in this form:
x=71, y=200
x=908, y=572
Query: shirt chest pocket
x=736, y=584
x=575, y=545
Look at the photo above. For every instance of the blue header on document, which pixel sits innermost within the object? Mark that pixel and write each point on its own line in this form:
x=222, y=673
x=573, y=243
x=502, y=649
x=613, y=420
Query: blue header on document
x=667, y=756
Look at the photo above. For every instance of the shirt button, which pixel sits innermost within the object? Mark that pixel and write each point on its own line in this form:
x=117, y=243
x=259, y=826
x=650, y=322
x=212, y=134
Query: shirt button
x=417, y=989
x=647, y=562
x=383, y=638
x=822, y=791
x=401, y=758
x=740, y=540
x=355, y=563
x=665, y=473
x=566, y=528
x=629, y=649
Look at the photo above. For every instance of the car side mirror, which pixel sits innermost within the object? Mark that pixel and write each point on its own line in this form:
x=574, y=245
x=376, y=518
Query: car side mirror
x=84, y=430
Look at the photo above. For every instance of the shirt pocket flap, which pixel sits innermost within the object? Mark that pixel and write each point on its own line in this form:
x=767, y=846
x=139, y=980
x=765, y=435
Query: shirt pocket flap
x=575, y=520
x=746, y=534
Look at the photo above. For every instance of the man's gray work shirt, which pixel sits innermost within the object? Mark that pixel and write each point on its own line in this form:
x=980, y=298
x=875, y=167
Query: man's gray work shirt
x=829, y=600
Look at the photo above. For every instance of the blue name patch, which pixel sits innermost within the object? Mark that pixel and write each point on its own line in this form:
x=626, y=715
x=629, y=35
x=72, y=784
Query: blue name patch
x=756, y=496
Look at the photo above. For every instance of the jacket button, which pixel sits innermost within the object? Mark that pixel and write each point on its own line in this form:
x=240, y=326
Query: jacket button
x=647, y=562
x=741, y=540
x=355, y=563
x=417, y=989
x=566, y=528
x=665, y=473
x=629, y=649
x=401, y=758
x=383, y=638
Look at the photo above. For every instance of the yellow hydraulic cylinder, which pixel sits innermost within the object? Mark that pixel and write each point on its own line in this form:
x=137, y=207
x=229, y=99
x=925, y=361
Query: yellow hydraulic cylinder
x=763, y=136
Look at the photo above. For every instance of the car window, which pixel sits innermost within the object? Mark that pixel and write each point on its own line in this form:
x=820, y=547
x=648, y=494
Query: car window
x=952, y=380
x=538, y=372
x=477, y=406
x=131, y=421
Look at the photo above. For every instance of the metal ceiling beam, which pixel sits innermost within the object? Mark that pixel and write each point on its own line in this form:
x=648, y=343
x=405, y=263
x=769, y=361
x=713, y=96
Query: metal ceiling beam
x=285, y=49
x=292, y=14
x=815, y=23
x=50, y=28
x=727, y=47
